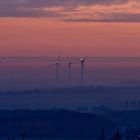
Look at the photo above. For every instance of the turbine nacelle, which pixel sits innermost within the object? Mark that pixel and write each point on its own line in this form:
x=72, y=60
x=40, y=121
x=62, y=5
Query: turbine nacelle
x=57, y=63
x=82, y=60
x=70, y=63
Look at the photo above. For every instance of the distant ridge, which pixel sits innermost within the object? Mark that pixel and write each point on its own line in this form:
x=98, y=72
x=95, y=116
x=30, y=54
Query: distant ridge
x=76, y=89
x=51, y=123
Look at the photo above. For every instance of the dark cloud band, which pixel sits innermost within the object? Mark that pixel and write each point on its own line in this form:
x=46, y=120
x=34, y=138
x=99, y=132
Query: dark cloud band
x=33, y=8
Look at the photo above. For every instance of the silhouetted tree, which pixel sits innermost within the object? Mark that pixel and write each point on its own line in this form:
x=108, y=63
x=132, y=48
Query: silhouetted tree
x=138, y=138
x=117, y=136
x=23, y=136
x=102, y=135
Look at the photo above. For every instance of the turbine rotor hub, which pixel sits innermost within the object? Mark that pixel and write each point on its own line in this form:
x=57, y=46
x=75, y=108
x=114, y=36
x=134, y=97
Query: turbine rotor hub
x=82, y=60
x=57, y=63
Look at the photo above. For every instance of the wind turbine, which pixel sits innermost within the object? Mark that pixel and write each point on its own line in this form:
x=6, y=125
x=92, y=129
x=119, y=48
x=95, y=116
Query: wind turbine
x=70, y=63
x=57, y=70
x=57, y=66
x=82, y=63
x=69, y=69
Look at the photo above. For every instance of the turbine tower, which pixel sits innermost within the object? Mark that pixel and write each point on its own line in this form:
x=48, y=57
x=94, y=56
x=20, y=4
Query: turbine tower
x=70, y=63
x=57, y=70
x=57, y=66
x=69, y=69
x=82, y=61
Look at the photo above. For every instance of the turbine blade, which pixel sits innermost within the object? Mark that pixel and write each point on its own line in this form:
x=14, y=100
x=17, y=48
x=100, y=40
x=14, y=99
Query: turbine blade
x=76, y=58
x=69, y=60
x=51, y=65
x=85, y=58
x=59, y=56
x=75, y=63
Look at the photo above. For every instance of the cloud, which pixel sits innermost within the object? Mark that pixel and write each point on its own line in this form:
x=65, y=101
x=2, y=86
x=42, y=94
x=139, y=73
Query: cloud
x=126, y=12
x=73, y=10
x=113, y=18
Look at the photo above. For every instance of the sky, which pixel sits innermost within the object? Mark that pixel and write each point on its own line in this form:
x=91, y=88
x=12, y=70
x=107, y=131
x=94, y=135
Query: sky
x=98, y=28
x=73, y=27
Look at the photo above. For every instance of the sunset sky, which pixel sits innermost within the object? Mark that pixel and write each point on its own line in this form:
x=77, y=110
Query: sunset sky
x=72, y=27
